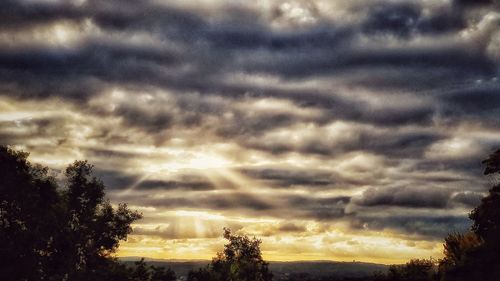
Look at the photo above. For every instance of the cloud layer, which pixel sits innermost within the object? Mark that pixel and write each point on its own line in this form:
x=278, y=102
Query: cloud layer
x=343, y=127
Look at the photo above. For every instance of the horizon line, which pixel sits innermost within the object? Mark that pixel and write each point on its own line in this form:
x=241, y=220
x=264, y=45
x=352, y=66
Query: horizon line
x=269, y=261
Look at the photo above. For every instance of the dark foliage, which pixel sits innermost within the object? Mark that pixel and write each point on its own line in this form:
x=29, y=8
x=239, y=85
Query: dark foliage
x=142, y=272
x=52, y=232
x=162, y=274
x=241, y=260
x=476, y=255
x=307, y=277
x=414, y=270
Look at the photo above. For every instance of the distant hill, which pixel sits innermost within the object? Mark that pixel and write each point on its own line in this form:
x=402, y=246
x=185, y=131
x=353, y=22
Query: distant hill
x=325, y=268
x=181, y=267
x=281, y=270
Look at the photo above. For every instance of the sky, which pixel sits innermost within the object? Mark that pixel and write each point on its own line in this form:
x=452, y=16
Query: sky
x=332, y=130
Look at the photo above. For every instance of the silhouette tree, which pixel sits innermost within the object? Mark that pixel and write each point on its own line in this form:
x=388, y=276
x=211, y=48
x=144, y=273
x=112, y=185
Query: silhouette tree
x=484, y=259
x=241, y=260
x=93, y=227
x=201, y=274
x=414, y=270
x=459, y=251
x=28, y=211
x=476, y=255
x=162, y=274
x=57, y=233
x=486, y=216
x=140, y=272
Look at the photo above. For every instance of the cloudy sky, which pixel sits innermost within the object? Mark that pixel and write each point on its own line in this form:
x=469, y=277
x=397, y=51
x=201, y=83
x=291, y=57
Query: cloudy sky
x=339, y=129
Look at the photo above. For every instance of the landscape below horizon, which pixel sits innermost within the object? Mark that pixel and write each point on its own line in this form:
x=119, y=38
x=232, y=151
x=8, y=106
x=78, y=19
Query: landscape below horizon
x=331, y=130
x=281, y=270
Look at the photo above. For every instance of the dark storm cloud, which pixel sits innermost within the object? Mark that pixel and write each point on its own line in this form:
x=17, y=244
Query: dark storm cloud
x=469, y=199
x=399, y=19
x=289, y=178
x=234, y=201
x=467, y=165
x=18, y=14
x=470, y=167
x=412, y=197
x=472, y=2
x=314, y=179
x=383, y=141
x=237, y=29
x=327, y=209
x=325, y=62
x=404, y=19
x=6, y=138
x=441, y=22
x=480, y=102
x=303, y=207
x=107, y=153
x=242, y=124
x=435, y=227
x=116, y=180
x=291, y=227
x=148, y=121
x=342, y=108
x=129, y=16
x=397, y=144
x=417, y=78
x=78, y=73
x=182, y=184
x=116, y=14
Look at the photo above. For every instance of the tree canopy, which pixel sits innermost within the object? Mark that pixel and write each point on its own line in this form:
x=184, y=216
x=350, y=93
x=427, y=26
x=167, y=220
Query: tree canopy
x=52, y=231
x=241, y=260
x=476, y=255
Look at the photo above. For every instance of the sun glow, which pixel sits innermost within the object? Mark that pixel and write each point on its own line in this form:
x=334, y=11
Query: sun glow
x=190, y=161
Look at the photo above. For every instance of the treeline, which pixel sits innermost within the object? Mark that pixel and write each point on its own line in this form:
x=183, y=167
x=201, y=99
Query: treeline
x=142, y=272
x=67, y=230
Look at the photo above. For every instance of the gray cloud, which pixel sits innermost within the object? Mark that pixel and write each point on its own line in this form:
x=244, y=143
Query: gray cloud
x=290, y=178
x=116, y=180
x=290, y=227
x=413, y=197
x=18, y=14
x=470, y=199
x=472, y=3
x=186, y=184
x=435, y=227
x=236, y=201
